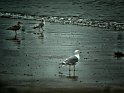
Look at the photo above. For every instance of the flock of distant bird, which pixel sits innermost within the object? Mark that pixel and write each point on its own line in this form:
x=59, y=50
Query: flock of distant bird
x=18, y=26
x=71, y=61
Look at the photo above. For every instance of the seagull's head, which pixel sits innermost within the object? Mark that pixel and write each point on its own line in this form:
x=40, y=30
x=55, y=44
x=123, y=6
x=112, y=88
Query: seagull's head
x=76, y=52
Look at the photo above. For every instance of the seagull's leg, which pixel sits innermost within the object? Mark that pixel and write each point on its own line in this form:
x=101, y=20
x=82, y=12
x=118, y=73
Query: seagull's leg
x=69, y=73
x=42, y=35
x=74, y=73
x=42, y=29
x=69, y=67
x=74, y=67
x=69, y=70
x=15, y=34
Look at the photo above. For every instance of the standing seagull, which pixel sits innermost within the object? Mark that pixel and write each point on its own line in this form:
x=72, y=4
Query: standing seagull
x=40, y=25
x=71, y=61
x=15, y=27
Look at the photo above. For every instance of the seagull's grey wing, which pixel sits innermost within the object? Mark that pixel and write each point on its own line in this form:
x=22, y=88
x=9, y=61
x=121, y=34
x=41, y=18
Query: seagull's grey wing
x=15, y=27
x=71, y=60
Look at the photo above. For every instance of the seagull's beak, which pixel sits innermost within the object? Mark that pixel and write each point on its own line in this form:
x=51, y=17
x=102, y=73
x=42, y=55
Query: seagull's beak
x=80, y=52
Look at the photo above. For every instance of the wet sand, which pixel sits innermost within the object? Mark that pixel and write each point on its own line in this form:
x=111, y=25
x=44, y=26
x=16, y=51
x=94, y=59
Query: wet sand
x=31, y=63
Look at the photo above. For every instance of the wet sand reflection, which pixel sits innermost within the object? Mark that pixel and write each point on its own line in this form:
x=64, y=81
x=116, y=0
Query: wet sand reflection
x=71, y=75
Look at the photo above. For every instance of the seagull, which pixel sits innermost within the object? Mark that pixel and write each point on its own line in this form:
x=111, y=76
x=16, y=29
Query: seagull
x=71, y=61
x=15, y=27
x=40, y=25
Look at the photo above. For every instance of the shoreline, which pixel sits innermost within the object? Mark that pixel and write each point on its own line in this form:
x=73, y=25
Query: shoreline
x=71, y=20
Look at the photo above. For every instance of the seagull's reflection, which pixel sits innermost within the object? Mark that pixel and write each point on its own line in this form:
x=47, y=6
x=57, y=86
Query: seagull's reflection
x=71, y=75
x=41, y=36
x=15, y=39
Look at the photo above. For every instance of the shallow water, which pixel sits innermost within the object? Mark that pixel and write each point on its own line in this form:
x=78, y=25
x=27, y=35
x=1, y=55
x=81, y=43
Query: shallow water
x=34, y=61
x=89, y=9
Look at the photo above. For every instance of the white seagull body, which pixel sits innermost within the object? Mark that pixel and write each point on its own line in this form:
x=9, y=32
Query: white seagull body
x=71, y=61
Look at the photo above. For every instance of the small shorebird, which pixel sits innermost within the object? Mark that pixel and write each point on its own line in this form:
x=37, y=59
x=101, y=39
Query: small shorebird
x=15, y=27
x=40, y=25
x=71, y=61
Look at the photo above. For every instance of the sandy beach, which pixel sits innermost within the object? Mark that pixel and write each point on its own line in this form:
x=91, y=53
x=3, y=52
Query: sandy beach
x=30, y=64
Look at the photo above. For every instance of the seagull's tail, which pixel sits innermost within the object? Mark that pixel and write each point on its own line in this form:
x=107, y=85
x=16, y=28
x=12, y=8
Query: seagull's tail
x=62, y=64
x=8, y=28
